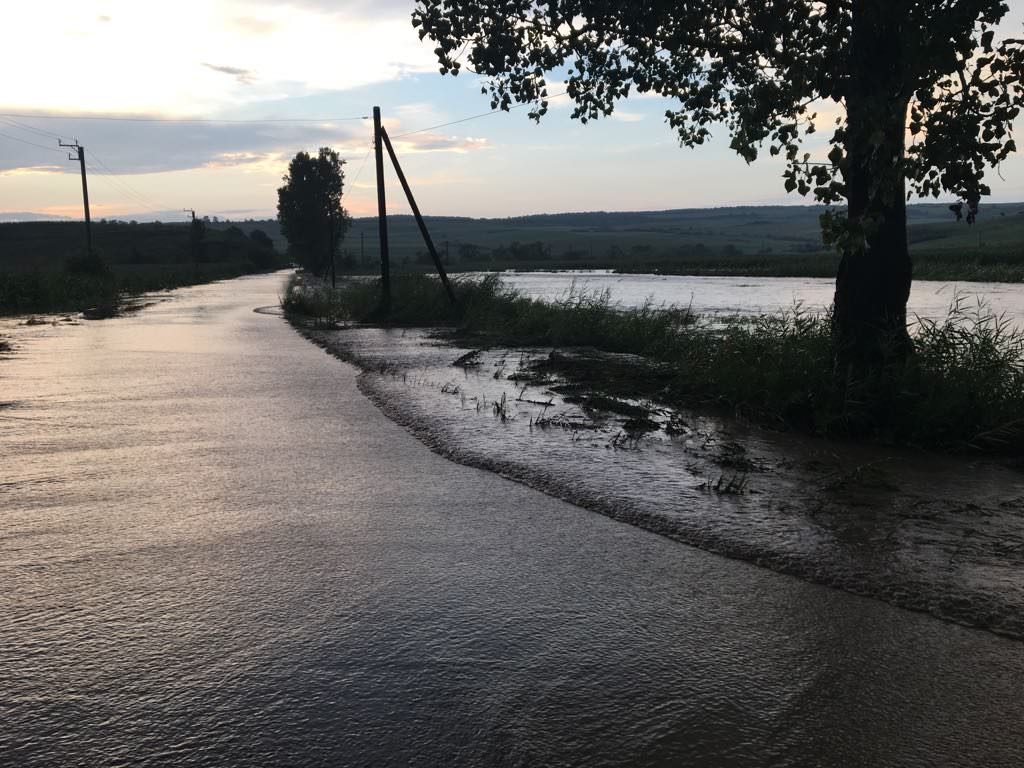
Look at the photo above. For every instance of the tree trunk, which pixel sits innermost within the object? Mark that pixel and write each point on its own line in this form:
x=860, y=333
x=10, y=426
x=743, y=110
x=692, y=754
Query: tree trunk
x=873, y=283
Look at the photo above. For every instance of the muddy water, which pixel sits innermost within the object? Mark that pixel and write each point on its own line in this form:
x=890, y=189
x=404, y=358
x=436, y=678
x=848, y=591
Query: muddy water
x=926, y=532
x=753, y=296
x=216, y=552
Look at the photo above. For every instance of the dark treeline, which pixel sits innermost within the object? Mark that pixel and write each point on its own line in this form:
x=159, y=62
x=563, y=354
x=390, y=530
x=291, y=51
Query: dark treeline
x=44, y=266
x=756, y=241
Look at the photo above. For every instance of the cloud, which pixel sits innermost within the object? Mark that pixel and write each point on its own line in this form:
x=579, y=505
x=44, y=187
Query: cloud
x=250, y=25
x=435, y=142
x=243, y=76
x=129, y=147
x=32, y=170
x=301, y=47
x=627, y=117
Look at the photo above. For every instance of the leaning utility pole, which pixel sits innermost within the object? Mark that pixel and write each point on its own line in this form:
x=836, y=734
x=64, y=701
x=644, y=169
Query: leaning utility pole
x=419, y=217
x=85, y=189
x=382, y=215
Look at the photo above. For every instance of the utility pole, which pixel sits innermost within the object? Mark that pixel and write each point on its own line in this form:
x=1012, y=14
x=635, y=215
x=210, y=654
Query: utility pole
x=382, y=214
x=193, y=242
x=330, y=235
x=362, y=247
x=85, y=189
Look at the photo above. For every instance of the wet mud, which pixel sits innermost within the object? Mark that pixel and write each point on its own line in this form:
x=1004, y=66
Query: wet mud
x=932, y=533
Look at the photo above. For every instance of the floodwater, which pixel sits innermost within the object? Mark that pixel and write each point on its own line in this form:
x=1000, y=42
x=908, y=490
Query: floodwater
x=215, y=551
x=932, y=533
x=754, y=296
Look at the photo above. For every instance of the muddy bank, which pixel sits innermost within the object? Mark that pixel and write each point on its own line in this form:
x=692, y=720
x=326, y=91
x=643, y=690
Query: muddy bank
x=925, y=532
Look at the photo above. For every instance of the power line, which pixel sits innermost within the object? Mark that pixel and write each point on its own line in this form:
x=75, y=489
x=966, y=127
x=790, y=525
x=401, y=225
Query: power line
x=472, y=117
x=361, y=166
x=31, y=128
x=117, y=186
x=120, y=118
x=30, y=143
x=115, y=176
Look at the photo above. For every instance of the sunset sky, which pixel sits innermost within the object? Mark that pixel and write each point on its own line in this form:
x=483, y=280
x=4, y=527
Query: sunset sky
x=330, y=60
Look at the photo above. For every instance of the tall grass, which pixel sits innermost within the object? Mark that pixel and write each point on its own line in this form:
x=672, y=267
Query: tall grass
x=488, y=308
x=961, y=389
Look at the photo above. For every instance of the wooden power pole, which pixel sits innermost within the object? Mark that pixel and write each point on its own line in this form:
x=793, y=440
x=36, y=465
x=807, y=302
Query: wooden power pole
x=382, y=214
x=85, y=190
x=193, y=243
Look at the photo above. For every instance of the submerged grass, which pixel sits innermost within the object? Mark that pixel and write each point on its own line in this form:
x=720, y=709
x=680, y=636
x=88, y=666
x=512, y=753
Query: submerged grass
x=962, y=389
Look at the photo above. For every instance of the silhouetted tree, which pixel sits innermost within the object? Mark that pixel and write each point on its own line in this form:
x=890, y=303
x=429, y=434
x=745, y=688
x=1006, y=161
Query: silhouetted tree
x=772, y=71
x=309, y=208
x=261, y=238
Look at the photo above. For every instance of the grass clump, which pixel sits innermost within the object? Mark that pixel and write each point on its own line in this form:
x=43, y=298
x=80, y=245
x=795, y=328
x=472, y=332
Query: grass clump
x=962, y=388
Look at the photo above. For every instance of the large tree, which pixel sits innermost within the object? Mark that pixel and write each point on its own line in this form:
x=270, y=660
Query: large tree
x=310, y=211
x=769, y=71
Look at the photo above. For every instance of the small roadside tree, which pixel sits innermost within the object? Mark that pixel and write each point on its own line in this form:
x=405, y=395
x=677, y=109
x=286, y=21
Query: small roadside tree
x=928, y=69
x=309, y=209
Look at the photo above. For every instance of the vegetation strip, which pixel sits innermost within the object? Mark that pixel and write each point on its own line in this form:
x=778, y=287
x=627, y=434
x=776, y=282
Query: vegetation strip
x=961, y=390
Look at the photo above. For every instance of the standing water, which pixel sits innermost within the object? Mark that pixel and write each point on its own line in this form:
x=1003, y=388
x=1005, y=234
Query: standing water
x=216, y=552
x=754, y=296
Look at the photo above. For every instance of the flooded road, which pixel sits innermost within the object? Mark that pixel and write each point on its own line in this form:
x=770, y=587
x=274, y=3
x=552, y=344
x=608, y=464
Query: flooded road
x=215, y=551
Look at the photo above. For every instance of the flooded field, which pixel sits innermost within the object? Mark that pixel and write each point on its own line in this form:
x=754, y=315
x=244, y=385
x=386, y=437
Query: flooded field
x=754, y=296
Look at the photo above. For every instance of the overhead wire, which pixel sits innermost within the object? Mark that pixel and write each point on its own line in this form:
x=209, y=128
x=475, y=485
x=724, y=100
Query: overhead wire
x=362, y=165
x=7, y=119
x=30, y=128
x=133, y=196
x=32, y=143
x=473, y=117
x=152, y=203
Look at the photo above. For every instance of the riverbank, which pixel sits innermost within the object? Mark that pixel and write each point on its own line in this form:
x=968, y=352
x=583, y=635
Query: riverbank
x=505, y=387
x=943, y=535
x=962, y=391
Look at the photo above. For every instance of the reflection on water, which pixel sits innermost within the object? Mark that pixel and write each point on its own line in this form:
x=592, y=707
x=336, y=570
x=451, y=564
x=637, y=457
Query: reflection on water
x=215, y=552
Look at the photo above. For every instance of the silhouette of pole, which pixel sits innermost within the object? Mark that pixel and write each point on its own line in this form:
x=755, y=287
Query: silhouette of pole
x=193, y=244
x=334, y=272
x=419, y=217
x=362, y=247
x=382, y=215
x=85, y=191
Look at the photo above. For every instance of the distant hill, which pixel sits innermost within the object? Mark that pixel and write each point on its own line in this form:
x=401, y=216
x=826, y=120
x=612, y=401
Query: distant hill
x=29, y=216
x=646, y=236
x=736, y=240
